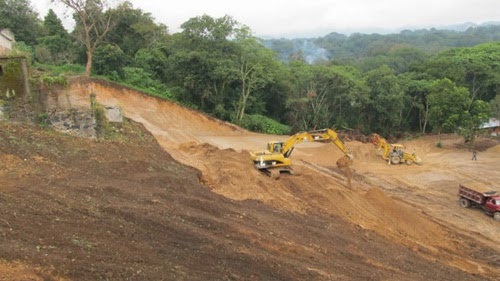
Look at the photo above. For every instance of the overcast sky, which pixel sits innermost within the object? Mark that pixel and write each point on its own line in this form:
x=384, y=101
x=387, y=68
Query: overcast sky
x=312, y=18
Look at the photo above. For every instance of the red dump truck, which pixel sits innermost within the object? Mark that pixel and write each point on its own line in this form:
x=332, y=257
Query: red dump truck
x=474, y=194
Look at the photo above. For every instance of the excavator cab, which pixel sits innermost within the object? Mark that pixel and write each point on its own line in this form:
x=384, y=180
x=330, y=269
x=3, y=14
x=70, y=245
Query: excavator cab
x=396, y=153
x=275, y=147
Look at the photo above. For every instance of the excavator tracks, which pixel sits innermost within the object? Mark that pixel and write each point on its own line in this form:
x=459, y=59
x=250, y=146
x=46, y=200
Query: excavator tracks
x=276, y=173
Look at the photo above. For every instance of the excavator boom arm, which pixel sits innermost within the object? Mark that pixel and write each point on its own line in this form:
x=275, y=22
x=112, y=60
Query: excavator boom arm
x=324, y=135
x=328, y=135
x=276, y=159
x=290, y=143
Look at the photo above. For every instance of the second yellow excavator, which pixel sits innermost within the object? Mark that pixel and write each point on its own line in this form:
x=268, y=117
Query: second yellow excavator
x=394, y=153
x=276, y=159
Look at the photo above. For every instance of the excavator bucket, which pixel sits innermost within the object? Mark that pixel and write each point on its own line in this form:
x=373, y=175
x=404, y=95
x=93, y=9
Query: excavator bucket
x=344, y=161
x=418, y=160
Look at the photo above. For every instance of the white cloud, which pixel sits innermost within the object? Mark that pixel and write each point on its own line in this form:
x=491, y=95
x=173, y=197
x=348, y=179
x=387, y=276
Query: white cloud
x=296, y=18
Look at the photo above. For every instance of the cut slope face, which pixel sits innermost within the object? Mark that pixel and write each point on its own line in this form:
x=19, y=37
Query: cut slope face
x=169, y=121
x=420, y=213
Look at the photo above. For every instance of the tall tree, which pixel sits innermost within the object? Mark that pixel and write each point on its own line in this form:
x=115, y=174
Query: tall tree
x=416, y=87
x=202, y=62
x=134, y=29
x=209, y=28
x=313, y=99
x=55, y=46
x=478, y=113
x=53, y=25
x=387, y=100
x=448, y=105
x=254, y=63
x=92, y=22
x=325, y=96
x=451, y=109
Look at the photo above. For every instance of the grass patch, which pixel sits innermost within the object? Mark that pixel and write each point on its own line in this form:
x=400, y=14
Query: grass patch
x=66, y=69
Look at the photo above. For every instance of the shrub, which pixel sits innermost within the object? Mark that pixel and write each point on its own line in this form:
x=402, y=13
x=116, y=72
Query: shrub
x=108, y=58
x=262, y=124
x=54, y=80
x=144, y=81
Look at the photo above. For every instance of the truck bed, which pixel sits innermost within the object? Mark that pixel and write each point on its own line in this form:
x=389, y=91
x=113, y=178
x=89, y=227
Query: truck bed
x=475, y=192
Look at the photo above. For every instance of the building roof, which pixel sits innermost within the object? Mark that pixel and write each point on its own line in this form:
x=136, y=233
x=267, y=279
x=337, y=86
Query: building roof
x=492, y=123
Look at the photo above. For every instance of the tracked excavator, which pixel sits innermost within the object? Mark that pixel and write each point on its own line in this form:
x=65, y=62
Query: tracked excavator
x=394, y=153
x=276, y=159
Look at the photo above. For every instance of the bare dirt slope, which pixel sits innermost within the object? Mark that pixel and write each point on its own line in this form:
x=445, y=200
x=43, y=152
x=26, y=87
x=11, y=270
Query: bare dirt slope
x=393, y=223
x=417, y=206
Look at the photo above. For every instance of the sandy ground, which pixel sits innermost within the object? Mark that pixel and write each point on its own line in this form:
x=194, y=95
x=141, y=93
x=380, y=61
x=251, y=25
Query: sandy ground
x=415, y=206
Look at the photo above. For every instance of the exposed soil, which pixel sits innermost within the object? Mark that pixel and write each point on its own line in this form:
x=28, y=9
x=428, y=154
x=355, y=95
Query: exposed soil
x=174, y=196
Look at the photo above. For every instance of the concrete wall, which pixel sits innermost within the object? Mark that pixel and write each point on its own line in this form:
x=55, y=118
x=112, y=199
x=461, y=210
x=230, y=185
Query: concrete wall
x=13, y=77
x=14, y=87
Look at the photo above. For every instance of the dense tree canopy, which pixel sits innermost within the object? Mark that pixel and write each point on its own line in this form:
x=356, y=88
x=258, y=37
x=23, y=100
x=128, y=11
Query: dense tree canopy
x=477, y=68
x=448, y=105
x=414, y=81
x=134, y=29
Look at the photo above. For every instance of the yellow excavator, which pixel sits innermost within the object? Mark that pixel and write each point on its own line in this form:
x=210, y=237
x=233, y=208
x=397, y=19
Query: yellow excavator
x=394, y=153
x=276, y=159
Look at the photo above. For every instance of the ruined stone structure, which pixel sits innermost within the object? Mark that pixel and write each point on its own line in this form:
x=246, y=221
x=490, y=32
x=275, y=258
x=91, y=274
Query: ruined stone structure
x=14, y=84
x=6, y=40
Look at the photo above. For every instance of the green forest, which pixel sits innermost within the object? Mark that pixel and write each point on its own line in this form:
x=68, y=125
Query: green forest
x=409, y=83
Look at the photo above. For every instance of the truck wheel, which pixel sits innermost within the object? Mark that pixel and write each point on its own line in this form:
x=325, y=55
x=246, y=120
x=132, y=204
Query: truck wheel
x=464, y=202
x=496, y=216
x=395, y=159
x=409, y=162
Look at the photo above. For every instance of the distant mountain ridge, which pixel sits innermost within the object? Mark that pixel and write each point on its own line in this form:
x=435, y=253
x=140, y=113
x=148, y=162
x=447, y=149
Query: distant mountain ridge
x=340, y=46
x=466, y=25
